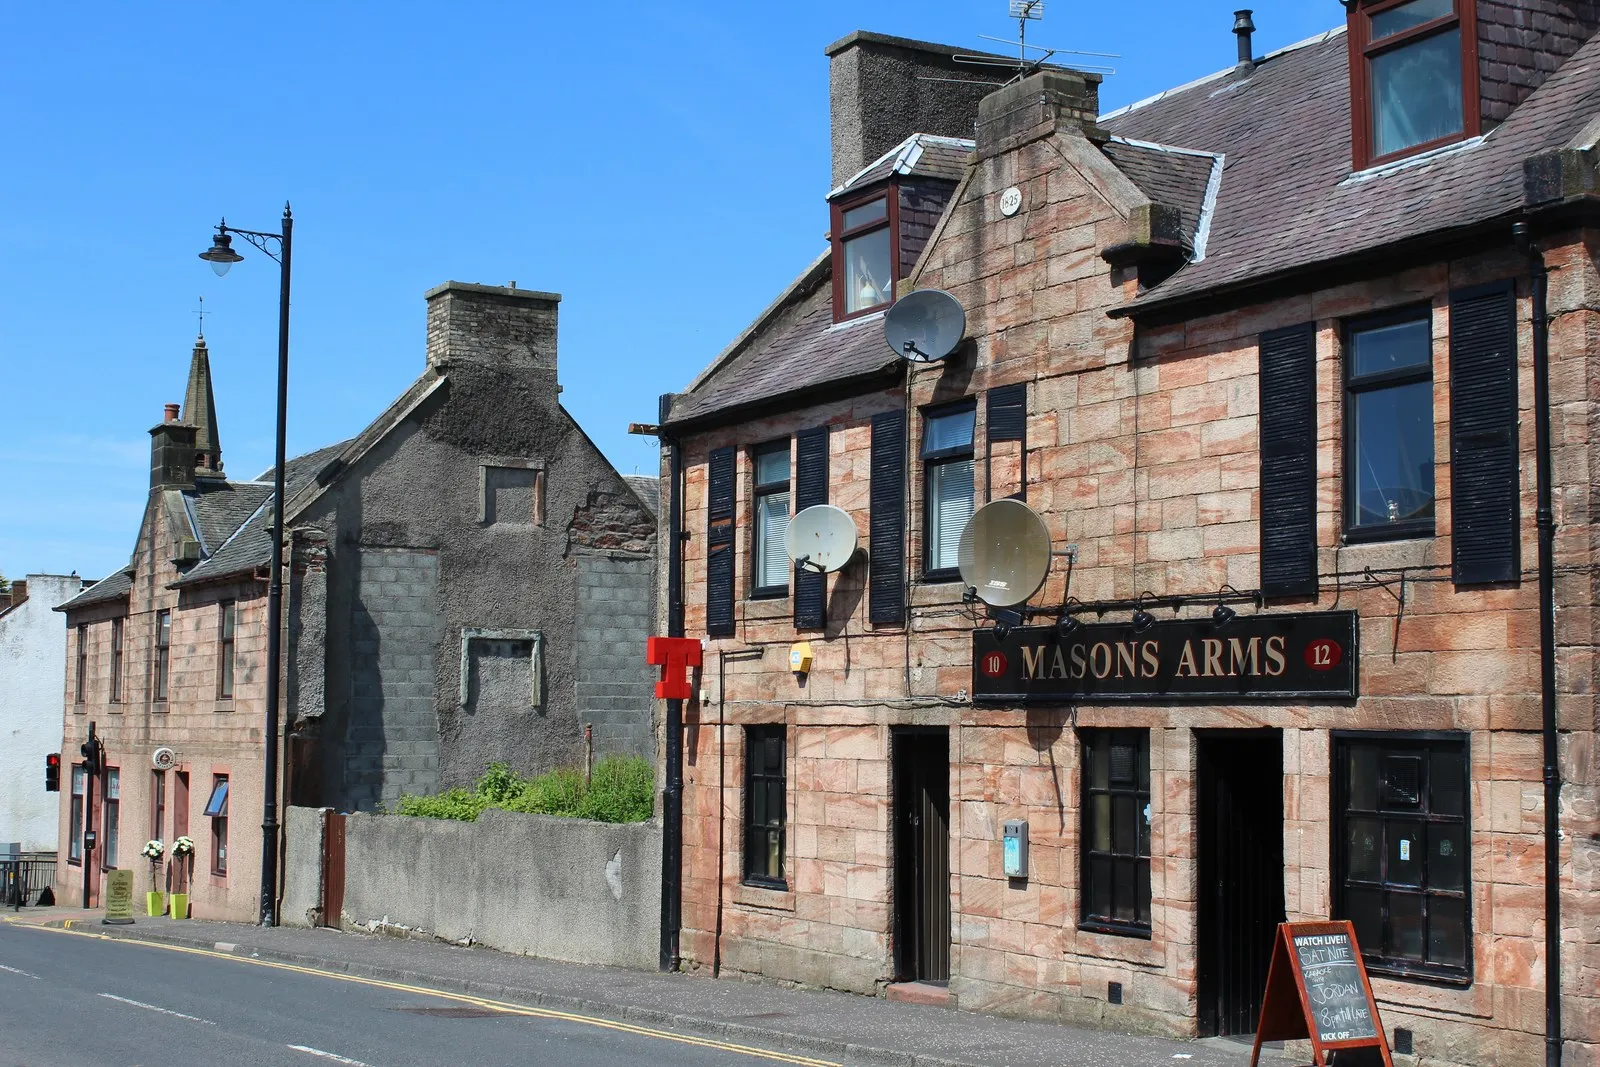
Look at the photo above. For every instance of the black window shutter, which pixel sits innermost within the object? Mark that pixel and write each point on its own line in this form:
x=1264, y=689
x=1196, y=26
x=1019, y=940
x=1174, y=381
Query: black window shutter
x=810, y=489
x=1008, y=412
x=887, y=566
x=1484, y=482
x=1289, y=461
x=719, y=543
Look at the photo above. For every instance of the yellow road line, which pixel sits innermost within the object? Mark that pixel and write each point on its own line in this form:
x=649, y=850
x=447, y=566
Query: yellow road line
x=460, y=998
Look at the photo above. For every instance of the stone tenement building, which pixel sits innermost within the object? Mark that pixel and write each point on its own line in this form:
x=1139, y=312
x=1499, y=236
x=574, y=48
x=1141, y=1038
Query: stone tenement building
x=1263, y=352
x=470, y=581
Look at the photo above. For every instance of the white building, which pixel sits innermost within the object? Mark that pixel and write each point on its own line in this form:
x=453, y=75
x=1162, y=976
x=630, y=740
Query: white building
x=33, y=664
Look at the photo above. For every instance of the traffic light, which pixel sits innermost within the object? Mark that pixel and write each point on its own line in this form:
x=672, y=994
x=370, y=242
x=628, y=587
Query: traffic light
x=91, y=751
x=52, y=773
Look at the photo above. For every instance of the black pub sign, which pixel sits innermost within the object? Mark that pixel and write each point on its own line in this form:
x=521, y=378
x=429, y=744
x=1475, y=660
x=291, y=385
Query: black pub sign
x=1273, y=656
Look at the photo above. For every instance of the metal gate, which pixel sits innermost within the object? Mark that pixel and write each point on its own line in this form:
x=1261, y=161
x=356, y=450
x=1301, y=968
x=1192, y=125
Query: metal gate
x=332, y=868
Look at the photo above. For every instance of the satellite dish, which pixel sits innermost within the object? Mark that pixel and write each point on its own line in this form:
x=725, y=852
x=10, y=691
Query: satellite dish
x=1004, y=553
x=925, y=325
x=822, y=538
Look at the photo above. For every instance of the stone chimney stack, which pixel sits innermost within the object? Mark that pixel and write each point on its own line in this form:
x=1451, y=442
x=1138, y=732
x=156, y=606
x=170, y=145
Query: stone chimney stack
x=494, y=325
x=881, y=91
x=172, y=452
x=1038, y=106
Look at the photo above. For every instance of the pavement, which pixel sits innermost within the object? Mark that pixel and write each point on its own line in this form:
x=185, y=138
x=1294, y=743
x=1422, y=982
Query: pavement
x=830, y=1027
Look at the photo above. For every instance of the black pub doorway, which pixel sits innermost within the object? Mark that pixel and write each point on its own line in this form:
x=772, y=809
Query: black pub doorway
x=1240, y=844
x=921, y=768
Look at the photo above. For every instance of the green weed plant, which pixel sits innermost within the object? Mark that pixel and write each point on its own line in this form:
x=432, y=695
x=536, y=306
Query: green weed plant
x=620, y=789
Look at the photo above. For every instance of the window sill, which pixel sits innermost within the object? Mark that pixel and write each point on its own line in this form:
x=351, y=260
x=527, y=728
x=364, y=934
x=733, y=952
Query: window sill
x=1138, y=933
x=773, y=896
x=776, y=592
x=1400, y=972
x=945, y=576
x=1369, y=535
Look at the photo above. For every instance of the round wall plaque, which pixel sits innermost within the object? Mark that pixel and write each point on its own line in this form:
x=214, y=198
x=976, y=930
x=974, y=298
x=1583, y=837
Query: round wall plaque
x=1011, y=201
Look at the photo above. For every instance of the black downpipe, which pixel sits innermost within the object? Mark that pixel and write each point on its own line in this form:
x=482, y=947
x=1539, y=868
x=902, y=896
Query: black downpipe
x=672, y=798
x=1547, y=647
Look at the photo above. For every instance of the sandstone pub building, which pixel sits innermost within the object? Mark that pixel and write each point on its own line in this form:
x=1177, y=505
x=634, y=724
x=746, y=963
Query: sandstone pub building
x=1292, y=361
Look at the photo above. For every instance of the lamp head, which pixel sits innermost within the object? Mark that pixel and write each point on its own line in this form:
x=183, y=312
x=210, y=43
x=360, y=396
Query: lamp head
x=1222, y=615
x=1142, y=619
x=221, y=255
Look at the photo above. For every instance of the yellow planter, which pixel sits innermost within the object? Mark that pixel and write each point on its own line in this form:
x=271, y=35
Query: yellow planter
x=154, y=904
x=180, y=905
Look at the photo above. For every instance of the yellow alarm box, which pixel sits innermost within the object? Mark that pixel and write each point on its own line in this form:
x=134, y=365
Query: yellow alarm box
x=800, y=657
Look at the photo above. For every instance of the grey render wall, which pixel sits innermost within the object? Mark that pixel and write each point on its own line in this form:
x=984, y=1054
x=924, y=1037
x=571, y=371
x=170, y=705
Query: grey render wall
x=33, y=670
x=414, y=490
x=302, y=867
x=616, y=606
x=563, y=889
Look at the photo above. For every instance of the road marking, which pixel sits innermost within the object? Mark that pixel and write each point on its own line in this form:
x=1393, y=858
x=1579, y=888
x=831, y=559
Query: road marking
x=24, y=974
x=461, y=998
x=335, y=1057
x=152, y=1007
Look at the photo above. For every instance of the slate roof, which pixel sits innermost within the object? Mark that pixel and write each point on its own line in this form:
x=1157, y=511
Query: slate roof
x=647, y=489
x=250, y=544
x=217, y=509
x=1177, y=177
x=1287, y=200
x=808, y=350
x=922, y=155
x=107, y=589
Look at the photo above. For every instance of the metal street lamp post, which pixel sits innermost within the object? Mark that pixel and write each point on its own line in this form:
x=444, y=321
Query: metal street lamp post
x=221, y=256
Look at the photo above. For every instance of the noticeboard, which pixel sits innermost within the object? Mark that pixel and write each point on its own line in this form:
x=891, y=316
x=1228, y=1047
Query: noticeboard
x=1317, y=988
x=119, y=897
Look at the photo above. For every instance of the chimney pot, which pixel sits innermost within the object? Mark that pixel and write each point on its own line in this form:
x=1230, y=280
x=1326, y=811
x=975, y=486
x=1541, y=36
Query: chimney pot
x=1243, y=27
x=171, y=413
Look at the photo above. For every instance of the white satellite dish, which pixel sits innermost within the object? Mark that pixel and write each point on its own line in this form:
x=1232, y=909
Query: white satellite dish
x=925, y=325
x=162, y=759
x=1004, y=553
x=822, y=538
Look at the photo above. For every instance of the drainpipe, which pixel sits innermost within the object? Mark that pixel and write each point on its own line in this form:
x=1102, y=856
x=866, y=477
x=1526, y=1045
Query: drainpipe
x=672, y=797
x=1547, y=647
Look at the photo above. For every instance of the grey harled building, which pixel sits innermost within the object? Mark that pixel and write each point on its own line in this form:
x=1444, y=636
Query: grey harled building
x=472, y=580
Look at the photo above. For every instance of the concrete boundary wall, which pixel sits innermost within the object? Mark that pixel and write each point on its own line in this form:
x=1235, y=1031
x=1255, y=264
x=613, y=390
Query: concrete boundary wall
x=562, y=889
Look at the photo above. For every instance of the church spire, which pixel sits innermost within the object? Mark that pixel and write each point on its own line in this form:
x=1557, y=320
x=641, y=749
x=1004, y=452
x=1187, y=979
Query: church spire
x=200, y=411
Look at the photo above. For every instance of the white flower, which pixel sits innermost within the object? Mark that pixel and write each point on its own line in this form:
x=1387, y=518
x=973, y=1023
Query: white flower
x=153, y=850
x=183, y=846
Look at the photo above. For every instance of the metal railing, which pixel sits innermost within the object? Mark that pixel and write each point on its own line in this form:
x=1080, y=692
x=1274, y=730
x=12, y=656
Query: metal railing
x=24, y=881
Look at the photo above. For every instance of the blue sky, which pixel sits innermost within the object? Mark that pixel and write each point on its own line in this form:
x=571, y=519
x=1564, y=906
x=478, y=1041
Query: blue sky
x=662, y=165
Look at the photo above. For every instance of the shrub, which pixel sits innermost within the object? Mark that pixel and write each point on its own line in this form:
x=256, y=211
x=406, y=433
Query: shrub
x=621, y=789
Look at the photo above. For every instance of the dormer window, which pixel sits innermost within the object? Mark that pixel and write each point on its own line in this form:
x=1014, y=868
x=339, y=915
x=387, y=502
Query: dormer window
x=1414, y=83
x=864, y=253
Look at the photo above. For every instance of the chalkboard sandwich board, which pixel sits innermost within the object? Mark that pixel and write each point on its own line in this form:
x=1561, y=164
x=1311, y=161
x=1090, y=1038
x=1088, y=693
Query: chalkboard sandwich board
x=1317, y=988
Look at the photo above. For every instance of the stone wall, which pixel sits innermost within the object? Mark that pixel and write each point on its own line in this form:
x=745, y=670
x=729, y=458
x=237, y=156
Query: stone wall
x=614, y=686
x=564, y=889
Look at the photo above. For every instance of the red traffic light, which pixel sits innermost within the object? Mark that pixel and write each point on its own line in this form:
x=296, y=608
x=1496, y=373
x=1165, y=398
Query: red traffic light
x=52, y=772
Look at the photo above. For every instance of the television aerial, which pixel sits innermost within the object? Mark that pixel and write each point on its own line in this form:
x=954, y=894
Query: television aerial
x=1004, y=554
x=822, y=539
x=925, y=325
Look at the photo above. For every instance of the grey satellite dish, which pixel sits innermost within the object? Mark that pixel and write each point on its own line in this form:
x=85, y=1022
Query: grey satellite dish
x=822, y=538
x=1004, y=553
x=925, y=325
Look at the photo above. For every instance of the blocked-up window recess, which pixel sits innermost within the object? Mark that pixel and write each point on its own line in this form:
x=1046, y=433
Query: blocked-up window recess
x=511, y=493
x=502, y=670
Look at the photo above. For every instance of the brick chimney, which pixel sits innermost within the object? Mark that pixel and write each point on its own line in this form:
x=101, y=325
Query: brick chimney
x=172, y=452
x=498, y=325
x=881, y=92
x=1038, y=106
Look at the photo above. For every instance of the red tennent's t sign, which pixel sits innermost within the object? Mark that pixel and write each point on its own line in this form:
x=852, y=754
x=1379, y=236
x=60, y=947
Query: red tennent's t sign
x=674, y=655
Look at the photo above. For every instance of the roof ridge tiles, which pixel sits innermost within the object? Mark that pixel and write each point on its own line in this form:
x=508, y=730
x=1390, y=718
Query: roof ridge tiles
x=1207, y=79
